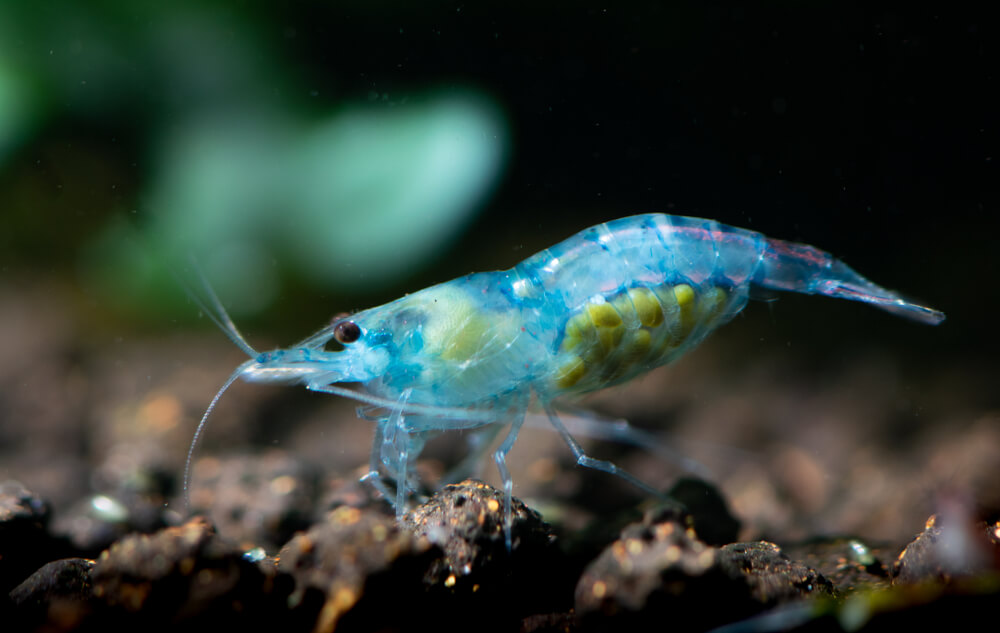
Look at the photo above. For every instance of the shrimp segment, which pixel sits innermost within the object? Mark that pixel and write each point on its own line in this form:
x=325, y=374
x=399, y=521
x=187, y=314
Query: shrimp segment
x=801, y=268
x=598, y=309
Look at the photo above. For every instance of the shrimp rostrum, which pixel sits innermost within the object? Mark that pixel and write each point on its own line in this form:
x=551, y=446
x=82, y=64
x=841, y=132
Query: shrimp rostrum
x=602, y=307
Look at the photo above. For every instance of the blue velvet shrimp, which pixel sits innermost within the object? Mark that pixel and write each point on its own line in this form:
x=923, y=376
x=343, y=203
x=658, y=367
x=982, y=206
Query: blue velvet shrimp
x=600, y=308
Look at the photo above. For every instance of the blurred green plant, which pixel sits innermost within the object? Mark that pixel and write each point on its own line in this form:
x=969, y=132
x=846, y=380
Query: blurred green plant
x=351, y=200
x=358, y=199
x=15, y=111
x=241, y=162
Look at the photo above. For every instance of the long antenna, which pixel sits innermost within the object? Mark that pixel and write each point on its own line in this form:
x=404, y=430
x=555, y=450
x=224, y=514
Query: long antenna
x=215, y=310
x=201, y=427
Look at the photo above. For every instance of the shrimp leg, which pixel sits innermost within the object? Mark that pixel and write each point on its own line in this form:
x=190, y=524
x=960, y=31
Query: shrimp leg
x=517, y=409
x=384, y=455
x=399, y=453
x=500, y=457
x=373, y=476
x=390, y=450
x=592, y=425
x=597, y=464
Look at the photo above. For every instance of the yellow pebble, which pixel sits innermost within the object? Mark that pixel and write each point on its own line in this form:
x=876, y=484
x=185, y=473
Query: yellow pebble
x=599, y=589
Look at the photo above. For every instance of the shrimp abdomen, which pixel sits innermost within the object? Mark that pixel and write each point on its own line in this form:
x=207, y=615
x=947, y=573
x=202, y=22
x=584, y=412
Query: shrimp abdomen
x=635, y=293
x=654, y=249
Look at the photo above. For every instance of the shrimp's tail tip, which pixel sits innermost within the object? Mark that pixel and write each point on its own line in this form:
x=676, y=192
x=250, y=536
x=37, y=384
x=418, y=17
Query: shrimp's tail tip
x=801, y=268
x=919, y=313
x=888, y=301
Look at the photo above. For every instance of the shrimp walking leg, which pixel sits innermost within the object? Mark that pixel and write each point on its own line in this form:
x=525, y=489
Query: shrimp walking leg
x=374, y=476
x=390, y=450
x=397, y=455
x=619, y=430
x=500, y=457
x=597, y=464
x=389, y=454
x=394, y=455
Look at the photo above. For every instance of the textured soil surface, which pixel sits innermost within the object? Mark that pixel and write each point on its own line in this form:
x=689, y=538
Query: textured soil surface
x=854, y=490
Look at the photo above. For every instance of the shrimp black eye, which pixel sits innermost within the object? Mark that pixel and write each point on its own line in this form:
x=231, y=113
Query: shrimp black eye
x=346, y=332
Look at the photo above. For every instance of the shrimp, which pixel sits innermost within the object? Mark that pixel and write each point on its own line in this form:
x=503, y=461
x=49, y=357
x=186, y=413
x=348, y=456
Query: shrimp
x=600, y=308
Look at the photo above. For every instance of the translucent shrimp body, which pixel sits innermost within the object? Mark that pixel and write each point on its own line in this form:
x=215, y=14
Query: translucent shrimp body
x=600, y=308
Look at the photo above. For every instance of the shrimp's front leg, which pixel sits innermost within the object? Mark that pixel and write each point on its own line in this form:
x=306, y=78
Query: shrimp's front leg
x=374, y=476
x=392, y=446
x=392, y=451
x=390, y=458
